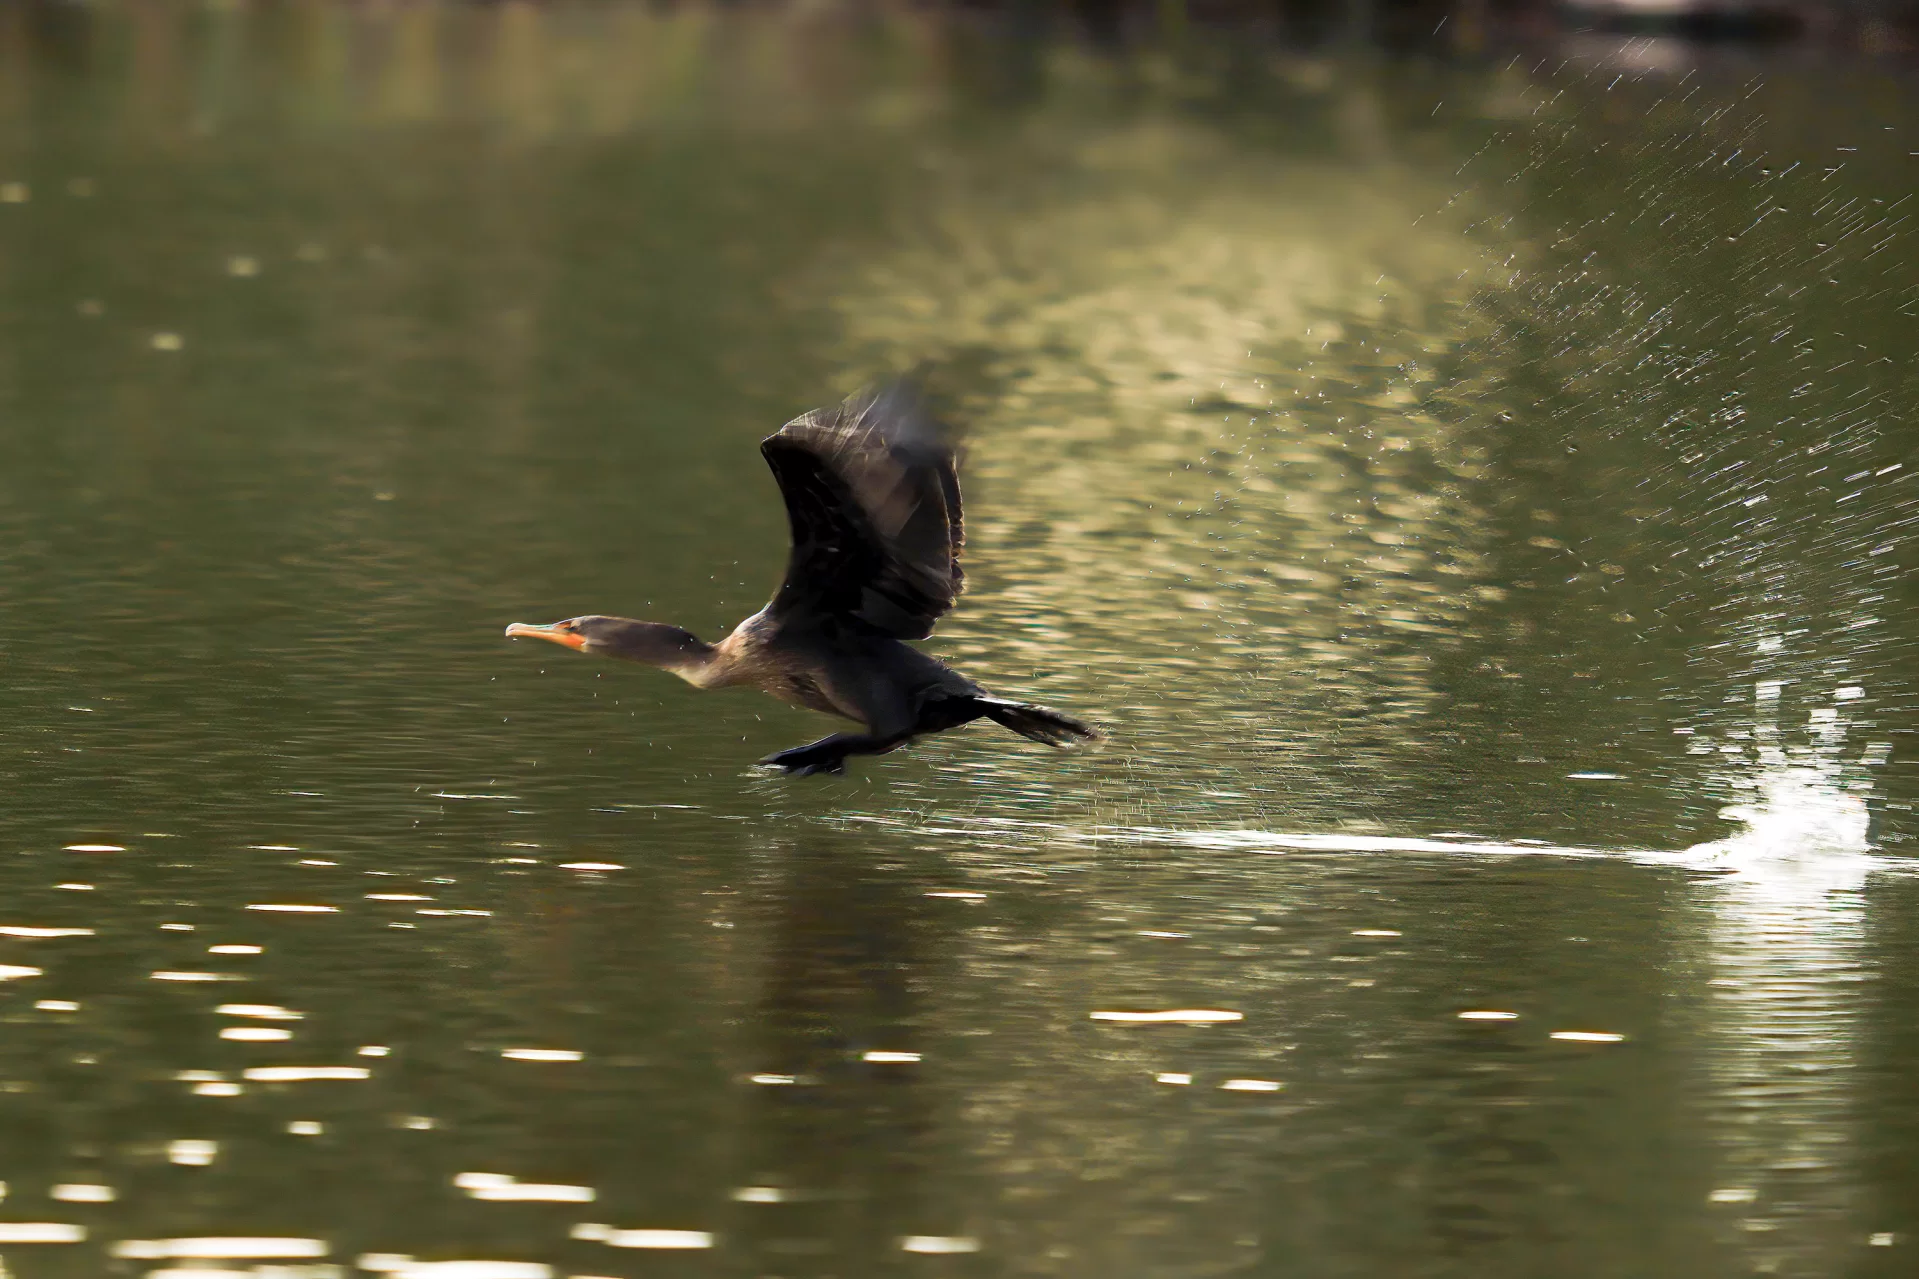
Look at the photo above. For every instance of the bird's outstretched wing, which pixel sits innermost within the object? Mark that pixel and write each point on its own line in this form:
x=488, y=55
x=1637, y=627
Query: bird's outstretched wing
x=872, y=491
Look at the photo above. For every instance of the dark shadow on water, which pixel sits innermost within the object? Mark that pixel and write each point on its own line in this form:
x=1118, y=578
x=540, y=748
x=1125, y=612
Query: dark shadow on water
x=837, y=1167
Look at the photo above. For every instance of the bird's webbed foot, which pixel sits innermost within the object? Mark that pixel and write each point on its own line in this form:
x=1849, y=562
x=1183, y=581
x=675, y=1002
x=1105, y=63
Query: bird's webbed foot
x=826, y=756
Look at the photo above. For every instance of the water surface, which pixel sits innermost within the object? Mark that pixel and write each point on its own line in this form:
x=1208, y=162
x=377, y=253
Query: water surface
x=1472, y=490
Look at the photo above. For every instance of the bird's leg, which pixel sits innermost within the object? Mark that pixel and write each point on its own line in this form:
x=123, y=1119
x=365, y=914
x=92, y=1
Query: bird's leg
x=878, y=704
x=828, y=755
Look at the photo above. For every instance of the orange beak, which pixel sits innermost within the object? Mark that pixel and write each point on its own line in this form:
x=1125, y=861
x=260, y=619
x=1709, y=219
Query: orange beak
x=556, y=633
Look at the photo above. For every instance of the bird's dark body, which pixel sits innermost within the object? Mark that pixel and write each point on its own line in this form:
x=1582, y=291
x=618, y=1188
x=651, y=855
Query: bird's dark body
x=891, y=689
x=880, y=682
x=872, y=495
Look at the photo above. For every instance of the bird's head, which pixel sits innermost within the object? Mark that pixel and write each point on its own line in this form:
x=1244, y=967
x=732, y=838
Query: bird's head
x=648, y=642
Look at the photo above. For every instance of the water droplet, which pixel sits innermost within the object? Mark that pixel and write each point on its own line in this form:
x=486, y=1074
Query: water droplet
x=193, y=1154
x=939, y=1244
x=657, y=1239
x=41, y=1232
x=1183, y=1016
x=296, y=1074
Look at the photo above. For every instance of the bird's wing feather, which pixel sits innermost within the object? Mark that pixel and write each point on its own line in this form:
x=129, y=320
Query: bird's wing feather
x=872, y=492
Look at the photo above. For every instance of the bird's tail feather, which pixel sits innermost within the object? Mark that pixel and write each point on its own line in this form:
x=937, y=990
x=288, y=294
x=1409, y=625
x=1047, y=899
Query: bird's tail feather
x=1039, y=723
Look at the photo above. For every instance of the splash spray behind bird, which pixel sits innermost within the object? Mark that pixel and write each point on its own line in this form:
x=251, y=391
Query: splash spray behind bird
x=872, y=494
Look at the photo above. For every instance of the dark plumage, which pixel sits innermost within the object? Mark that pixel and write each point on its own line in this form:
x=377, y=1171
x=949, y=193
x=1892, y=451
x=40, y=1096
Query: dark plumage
x=872, y=495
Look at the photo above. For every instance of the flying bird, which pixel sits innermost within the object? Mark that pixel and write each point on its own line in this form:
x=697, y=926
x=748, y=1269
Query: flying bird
x=872, y=494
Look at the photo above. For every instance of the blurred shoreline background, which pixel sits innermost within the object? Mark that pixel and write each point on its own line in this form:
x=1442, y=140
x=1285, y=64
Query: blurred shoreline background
x=393, y=57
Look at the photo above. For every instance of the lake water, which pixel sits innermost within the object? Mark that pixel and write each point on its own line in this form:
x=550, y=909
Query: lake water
x=1474, y=491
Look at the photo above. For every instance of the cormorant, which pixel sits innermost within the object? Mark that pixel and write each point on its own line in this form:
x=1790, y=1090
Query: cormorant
x=872, y=494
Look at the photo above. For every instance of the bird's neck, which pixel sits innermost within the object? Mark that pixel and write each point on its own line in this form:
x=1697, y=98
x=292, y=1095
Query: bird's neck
x=700, y=664
x=706, y=667
x=731, y=661
x=669, y=648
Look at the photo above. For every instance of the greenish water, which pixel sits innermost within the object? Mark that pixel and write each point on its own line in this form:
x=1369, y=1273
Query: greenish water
x=1474, y=494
